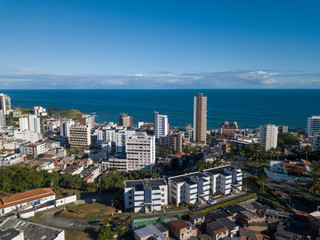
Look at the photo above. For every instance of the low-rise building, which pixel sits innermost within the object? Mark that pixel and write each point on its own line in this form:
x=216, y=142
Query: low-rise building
x=48, y=166
x=189, y=188
x=217, y=230
x=34, y=149
x=181, y=230
x=197, y=218
x=11, y=159
x=151, y=232
x=147, y=195
x=73, y=169
x=225, y=180
x=26, y=200
x=16, y=229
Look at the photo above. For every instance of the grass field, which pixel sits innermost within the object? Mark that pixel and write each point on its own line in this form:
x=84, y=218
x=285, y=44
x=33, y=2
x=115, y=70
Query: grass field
x=88, y=211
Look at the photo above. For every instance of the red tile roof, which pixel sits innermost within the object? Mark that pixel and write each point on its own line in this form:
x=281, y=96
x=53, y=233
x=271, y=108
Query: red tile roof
x=291, y=167
x=306, y=162
x=179, y=224
x=26, y=197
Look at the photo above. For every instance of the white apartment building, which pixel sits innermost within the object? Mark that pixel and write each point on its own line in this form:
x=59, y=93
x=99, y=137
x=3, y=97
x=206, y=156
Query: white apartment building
x=65, y=128
x=30, y=123
x=28, y=136
x=313, y=125
x=140, y=150
x=225, y=180
x=5, y=104
x=160, y=125
x=268, y=136
x=40, y=111
x=34, y=149
x=146, y=196
x=10, y=159
x=80, y=136
x=117, y=136
x=200, y=119
x=189, y=188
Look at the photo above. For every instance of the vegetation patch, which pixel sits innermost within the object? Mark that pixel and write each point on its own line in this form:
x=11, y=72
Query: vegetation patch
x=237, y=200
x=88, y=211
x=271, y=198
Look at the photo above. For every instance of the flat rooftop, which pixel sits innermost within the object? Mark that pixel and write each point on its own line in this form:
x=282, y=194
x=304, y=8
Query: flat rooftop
x=186, y=177
x=139, y=185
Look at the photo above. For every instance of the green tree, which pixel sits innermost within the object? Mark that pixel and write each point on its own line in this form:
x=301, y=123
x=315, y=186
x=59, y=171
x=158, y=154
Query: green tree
x=308, y=149
x=162, y=152
x=286, y=139
x=174, y=164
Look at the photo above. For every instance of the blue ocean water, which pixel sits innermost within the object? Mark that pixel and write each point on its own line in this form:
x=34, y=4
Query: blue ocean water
x=250, y=108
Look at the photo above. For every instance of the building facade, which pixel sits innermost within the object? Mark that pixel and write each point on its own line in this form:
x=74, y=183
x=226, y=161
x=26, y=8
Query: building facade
x=160, y=125
x=65, y=128
x=80, y=136
x=125, y=121
x=313, y=127
x=148, y=195
x=189, y=188
x=5, y=104
x=268, y=136
x=140, y=151
x=200, y=119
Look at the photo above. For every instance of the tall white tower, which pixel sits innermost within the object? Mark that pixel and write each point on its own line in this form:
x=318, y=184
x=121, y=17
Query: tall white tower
x=313, y=125
x=268, y=136
x=160, y=125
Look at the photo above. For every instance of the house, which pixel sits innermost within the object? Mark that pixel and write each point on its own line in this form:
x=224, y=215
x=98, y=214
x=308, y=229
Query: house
x=26, y=200
x=197, y=218
x=151, y=232
x=85, y=162
x=48, y=166
x=73, y=169
x=246, y=217
x=90, y=174
x=15, y=229
x=181, y=230
x=217, y=230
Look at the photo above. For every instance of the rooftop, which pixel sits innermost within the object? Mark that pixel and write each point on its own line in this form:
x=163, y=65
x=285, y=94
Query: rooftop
x=25, y=197
x=216, y=227
x=186, y=177
x=139, y=185
x=150, y=230
x=30, y=230
x=179, y=224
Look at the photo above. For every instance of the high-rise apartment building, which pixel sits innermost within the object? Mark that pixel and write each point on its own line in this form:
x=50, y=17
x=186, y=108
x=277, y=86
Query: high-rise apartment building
x=200, y=119
x=268, y=136
x=30, y=123
x=125, y=120
x=80, y=136
x=65, y=128
x=5, y=103
x=313, y=125
x=86, y=120
x=141, y=153
x=160, y=125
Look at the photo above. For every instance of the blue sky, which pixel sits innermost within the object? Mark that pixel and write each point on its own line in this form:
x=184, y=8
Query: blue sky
x=159, y=44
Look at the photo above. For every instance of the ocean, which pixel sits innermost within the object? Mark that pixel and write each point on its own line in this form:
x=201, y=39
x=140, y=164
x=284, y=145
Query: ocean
x=250, y=108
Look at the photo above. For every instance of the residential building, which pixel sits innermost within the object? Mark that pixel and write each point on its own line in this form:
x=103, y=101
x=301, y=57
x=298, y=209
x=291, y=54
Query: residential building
x=313, y=125
x=200, y=119
x=30, y=123
x=189, y=188
x=150, y=232
x=3, y=120
x=40, y=111
x=268, y=136
x=34, y=148
x=80, y=136
x=11, y=159
x=125, y=121
x=90, y=174
x=5, y=104
x=73, y=169
x=316, y=142
x=86, y=120
x=182, y=230
x=65, y=128
x=197, y=218
x=47, y=166
x=175, y=142
x=217, y=230
x=140, y=150
x=26, y=200
x=228, y=129
x=28, y=136
x=118, y=162
x=225, y=180
x=147, y=195
x=283, y=129
x=16, y=229
x=161, y=126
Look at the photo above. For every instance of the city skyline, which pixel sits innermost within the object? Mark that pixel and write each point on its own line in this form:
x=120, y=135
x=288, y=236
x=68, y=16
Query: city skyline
x=167, y=45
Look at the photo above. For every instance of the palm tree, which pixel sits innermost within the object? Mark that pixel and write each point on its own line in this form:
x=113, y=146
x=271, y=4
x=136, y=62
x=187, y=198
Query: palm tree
x=308, y=149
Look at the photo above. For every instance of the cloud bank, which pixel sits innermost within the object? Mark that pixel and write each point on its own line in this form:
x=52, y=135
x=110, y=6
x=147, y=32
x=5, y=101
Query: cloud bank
x=20, y=78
